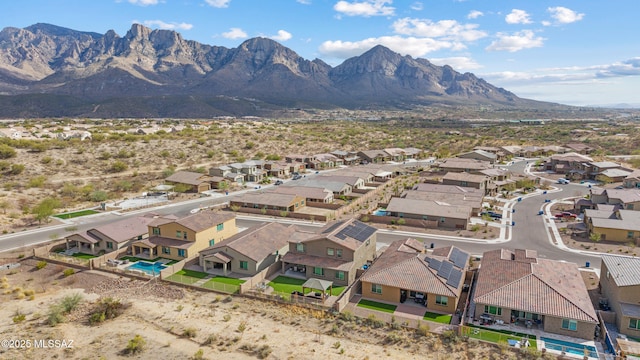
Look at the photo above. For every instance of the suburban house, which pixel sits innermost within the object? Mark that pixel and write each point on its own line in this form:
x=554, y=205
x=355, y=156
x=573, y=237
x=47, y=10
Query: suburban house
x=406, y=272
x=572, y=164
x=193, y=181
x=335, y=253
x=430, y=213
x=463, y=165
x=338, y=188
x=360, y=172
x=632, y=181
x=474, y=202
x=298, y=158
x=620, y=284
x=251, y=170
x=110, y=237
x=613, y=223
x=269, y=201
x=277, y=169
x=481, y=155
x=248, y=252
x=348, y=157
x=354, y=181
x=467, y=192
x=511, y=150
x=326, y=161
x=628, y=199
x=580, y=148
x=311, y=194
x=227, y=172
x=395, y=154
x=413, y=153
x=519, y=287
x=480, y=182
x=181, y=238
x=373, y=156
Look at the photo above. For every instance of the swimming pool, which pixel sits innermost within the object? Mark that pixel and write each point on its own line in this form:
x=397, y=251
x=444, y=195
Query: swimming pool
x=152, y=269
x=569, y=347
x=380, y=212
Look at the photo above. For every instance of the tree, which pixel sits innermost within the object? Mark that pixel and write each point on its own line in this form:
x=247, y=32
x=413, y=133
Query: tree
x=45, y=208
x=595, y=237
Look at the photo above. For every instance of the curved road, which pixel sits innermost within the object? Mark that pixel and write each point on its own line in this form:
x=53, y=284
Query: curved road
x=529, y=232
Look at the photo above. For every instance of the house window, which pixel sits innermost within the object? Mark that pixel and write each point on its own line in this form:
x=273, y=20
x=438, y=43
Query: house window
x=339, y=253
x=299, y=247
x=494, y=310
x=425, y=217
x=182, y=253
x=212, y=242
x=184, y=235
x=244, y=265
x=629, y=206
x=318, y=271
x=340, y=275
x=569, y=324
x=178, y=234
x=634, y=324
x=630, y=234
x=400, y=215
x=367, y=242
x=155, y=231
x=442, y=300
x=166, y=250
x=139, y=237
x=376, y=288
x=330, y=251
x=220, y=227
x=109, y=245
x=442, y=219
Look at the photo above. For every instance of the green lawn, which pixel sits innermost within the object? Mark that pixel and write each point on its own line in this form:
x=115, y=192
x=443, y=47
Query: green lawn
x=288, y=285
x=191, y=273
x=226, y=280
x=76, y=214
x=497, y=336
x=439, y=318
x=373, y=305
x=84, y=256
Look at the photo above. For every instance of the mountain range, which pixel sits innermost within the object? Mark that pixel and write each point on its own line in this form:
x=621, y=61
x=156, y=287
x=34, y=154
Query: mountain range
x=47, y=70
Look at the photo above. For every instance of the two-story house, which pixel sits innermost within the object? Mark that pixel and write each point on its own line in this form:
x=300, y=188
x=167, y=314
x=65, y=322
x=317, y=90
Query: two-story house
x=335, y=253
x=179, y=238
x=620, y=284
x=109, y=237
x=227, y=172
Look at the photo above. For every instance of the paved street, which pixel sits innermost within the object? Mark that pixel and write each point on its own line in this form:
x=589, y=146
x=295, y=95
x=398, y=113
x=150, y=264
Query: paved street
x=529, y=232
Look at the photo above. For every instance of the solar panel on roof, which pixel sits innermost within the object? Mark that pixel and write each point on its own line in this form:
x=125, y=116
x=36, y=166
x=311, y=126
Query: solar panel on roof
x=356, y=230
x=454, y=278
x=332, y=227
x=445, y=269
x=434, y=263
x=459, y=258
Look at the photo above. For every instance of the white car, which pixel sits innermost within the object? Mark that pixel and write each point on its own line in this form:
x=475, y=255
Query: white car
x=563, y=181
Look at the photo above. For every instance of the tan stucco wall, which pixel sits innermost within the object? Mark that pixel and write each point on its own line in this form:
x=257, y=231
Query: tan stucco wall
x=389, y=294
x=616, y=234
x=199, y=240
x=615, y=295
x=584, y=330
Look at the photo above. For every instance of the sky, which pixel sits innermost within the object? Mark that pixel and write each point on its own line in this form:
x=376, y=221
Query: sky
x=575, y=52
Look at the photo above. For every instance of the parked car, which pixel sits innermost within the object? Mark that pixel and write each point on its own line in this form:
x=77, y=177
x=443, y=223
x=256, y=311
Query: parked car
x=491, y=214
x=296, y=177
x=278, y=182
x=563, y=181
x=565, y=214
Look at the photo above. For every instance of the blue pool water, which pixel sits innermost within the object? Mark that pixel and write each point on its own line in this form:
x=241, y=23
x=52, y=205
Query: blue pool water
x=380, y=212
x=569, y=347
x=150, y=268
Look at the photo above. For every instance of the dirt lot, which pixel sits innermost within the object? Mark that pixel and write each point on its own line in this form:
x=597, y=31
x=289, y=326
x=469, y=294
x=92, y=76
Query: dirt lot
x=177, y=324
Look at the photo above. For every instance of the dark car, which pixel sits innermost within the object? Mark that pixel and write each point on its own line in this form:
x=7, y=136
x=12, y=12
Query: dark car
x=491, y=214
x=278, y=182
x=296, y=177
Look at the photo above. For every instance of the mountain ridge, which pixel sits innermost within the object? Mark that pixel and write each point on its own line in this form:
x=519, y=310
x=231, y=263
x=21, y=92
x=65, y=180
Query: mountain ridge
x=146, y=63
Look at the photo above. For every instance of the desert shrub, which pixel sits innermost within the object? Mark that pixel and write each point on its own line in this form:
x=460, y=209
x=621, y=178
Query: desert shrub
x=189, y=332
x=41, y=265
x=347, y=316
x=6, y=151
x=68, y=272
x=36, y=182
x=118, y=166
x=70, y=302
x=135, y=345
x=55, y=315
x=16, y=169
x=199, y=355
x=19, y=317
x=98, y=195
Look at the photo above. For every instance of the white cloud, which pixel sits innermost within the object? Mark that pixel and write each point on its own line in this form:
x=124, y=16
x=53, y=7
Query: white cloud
x=159, y=24
x=218, y=3
x=525, y=39
x=305, y=2
x=282, y=36
x=517, y=17
x=446, y=29
x=474, y=14
x=629, y=67
x=417, y=6
x=144, y=2
x=365, y=8
x=235, y=33
x=458, y=62
x=546, y=23
x=416, y=47
x=563, y=15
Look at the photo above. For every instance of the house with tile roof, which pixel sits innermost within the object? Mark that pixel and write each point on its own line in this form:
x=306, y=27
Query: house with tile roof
x=248, y=252
x=460, y=165
x=613, y=223
x=480, y=155
x=194, y=181
x=269, y=200
x=516, y=286
x=406, y=272
x=334, y=254
x=632, y=181
x=475, y=181
x=110, y=237
x=432, y=213
x=311, y=194
x=620, y=285
x=180, y=238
